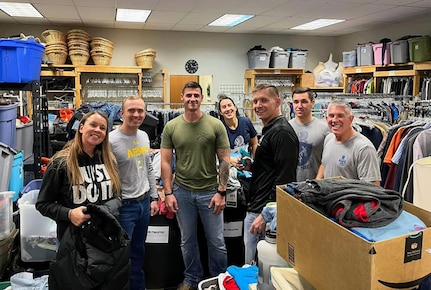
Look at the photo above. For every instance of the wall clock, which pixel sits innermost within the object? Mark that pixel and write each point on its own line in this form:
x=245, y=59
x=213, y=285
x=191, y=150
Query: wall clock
x=191, y=66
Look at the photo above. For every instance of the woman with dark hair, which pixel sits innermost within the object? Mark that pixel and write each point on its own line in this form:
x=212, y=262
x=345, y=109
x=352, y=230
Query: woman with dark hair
x=240, y=130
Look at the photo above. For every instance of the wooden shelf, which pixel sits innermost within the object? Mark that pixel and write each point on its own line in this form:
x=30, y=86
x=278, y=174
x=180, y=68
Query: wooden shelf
x=395, y=73
x=359, y=69
x=410, y=69
x=327, y=88
x=79, y=73
x=272, y=72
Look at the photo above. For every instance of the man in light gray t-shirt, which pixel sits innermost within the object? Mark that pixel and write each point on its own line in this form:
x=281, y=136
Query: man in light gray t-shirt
x=311, y=133
x=346, y=152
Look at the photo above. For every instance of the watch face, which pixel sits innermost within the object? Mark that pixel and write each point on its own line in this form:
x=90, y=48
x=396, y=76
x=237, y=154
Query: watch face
x=191, y=66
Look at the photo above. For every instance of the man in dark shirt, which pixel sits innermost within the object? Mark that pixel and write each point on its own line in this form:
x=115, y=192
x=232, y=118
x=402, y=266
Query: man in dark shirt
x=275, y=163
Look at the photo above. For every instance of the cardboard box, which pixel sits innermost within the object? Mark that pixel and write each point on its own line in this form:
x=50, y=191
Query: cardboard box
x=331, y=257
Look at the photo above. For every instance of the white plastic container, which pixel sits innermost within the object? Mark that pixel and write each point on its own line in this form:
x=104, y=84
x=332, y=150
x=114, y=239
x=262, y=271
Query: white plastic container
x=37, y=233
x=6, y=211
x=267, y=257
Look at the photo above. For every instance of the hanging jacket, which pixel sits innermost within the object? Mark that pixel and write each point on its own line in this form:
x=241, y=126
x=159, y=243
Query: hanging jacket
x=94, y=255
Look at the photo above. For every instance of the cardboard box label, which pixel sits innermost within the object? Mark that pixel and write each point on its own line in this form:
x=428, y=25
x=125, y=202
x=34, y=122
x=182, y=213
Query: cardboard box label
x=413, y=249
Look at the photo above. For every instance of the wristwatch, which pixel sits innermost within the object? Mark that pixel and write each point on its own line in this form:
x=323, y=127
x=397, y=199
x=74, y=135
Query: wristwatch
x=221, y=192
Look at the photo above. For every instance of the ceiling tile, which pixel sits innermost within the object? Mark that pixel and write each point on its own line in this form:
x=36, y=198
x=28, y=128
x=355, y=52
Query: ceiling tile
x=272, y=16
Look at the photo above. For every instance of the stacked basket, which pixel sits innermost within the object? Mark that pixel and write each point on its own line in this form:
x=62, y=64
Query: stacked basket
x=78, y=42
x=56, y=49
x=145, y=58
x=101, y=50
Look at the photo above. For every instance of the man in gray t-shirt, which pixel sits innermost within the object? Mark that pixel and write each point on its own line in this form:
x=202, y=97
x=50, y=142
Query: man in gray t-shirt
x=311, y=133
x=346, y=152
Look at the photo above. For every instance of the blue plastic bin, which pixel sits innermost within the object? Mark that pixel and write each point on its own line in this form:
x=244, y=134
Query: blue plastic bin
x=16, y=181
x=20, y=60
x=32, y=185
x=8, y=124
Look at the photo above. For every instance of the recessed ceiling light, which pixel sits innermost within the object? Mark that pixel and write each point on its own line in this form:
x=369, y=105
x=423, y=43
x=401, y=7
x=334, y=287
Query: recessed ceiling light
x=20, y=9
x=132, y=15
x=230, y=20
x=316, y=24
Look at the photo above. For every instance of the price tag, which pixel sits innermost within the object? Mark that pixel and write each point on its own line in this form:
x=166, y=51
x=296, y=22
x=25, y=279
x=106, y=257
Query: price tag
x=358, y=70
x=392, y=73
x=277, y=71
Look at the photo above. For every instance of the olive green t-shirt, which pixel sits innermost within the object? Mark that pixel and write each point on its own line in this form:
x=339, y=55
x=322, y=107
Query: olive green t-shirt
x=195, y=146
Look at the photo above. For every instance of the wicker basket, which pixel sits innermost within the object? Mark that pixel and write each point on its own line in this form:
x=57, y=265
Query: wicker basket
x=145, y=60
x=51, y=47
x=101, y=58
x=79, y=57
x=99, y=47
x=102, y=40
x=78, y=44
x=78, y=33
x=57, y=57
x=53, y=36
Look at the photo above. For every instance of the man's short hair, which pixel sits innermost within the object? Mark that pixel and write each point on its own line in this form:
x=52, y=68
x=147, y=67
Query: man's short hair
x=272, y=89
x=341, y=103
x=311, y=94
x=191, y=85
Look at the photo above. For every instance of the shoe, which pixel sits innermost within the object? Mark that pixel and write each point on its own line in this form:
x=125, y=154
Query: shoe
x=184, y=286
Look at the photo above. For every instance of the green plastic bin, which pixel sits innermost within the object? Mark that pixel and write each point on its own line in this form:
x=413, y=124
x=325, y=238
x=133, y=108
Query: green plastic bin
x=420, y=49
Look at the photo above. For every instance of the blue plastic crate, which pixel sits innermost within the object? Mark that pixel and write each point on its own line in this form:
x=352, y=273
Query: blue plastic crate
x=20, y=60
x=8, y=124
x=32, y=185
x=16, y=182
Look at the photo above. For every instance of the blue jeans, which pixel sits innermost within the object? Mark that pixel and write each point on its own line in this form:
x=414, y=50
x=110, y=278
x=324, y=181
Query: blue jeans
x=134, y=218
x=191, y=206
x=251, y=240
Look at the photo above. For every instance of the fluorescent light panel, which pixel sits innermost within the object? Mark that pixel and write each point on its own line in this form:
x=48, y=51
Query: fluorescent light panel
x=132, y=15
x=316, y=24
x=230, y=20
x=20, y=9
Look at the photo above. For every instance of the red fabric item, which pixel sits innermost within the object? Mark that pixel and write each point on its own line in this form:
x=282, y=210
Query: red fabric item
x=229, y=283
x=361, y=213
x=164, y=210
x=337, y=210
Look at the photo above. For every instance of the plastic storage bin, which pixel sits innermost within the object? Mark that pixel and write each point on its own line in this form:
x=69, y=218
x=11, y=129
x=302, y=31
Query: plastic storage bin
x=349, y=58
x=6, y=160
x=279, y=59
x=20, y=60
x=16, y=181
x=258, y=59
x=364, y=54
x=379, y=59
x=32, y=185
x=24, y=138
x=298, y=59
x=8, y=124
x=420, y=49
x=268, y=257
x=6, y=211
x=6, y=246
x=38, y=234
x=399, y=51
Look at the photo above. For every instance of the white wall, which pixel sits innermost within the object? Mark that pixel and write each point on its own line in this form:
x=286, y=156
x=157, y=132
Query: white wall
x=224, y=55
